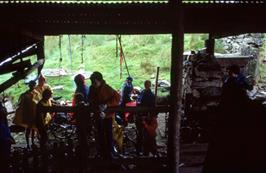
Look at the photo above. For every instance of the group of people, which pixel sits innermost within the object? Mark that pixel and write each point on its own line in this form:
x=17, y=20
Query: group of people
x=146, y=123
x=27, y=114
x=99, y=95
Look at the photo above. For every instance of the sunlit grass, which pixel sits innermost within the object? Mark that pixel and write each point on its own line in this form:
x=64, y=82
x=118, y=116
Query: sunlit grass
x=144, y=53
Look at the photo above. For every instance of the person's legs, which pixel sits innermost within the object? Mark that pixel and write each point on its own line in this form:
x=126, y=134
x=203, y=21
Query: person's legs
x=43, y=136
x=27, y=134
x=109, y=137
x=123, y=115
x=139, y=126
x=100, y=137
x=32, y=136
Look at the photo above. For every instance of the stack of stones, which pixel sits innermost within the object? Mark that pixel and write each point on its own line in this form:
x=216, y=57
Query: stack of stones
x=203, y=80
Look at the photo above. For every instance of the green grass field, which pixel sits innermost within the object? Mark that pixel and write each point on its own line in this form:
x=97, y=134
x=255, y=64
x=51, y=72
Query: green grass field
x=143, y=53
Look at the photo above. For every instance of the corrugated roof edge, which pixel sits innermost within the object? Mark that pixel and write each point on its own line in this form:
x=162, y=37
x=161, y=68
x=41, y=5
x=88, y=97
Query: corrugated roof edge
x=84, y=2
x=223, y=2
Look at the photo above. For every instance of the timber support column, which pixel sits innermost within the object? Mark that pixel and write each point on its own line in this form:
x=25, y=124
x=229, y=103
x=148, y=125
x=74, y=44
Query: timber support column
x=173, y=146
x=210, y=45
x=40, y=55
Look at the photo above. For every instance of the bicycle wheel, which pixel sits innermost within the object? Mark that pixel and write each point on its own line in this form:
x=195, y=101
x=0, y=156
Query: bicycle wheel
x=63, y=131
x=61, y=127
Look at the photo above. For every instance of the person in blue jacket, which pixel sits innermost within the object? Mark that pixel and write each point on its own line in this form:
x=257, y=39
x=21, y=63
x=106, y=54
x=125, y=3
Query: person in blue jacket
x=126, y=91
x=81, y=87
x=125, y=97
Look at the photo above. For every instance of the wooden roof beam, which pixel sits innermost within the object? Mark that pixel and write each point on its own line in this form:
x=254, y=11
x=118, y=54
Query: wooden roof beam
x=15, y=67
x=20, y=75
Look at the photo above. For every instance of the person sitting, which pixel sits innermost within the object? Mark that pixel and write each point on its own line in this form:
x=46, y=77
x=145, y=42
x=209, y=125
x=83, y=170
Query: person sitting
x=26, y=112
x=43, y=118
x=102, y=95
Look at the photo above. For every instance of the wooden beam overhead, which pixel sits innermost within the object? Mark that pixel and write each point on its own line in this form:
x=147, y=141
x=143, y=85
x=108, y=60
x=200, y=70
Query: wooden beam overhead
x=19, y=75
x=53, y=19
x=15, y=67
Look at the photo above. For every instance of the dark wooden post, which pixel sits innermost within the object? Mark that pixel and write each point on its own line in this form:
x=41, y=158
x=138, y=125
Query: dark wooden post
x=210, y=45
x=173, y=147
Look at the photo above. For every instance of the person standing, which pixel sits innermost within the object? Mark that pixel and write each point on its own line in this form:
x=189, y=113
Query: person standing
x=5, y=141
x=42, y=85
x=237, y=136
x=43, y=118
x=81, y=88
x=26, y=112
x=126, y=96
x=101, y=96
x=126, y=91
x=146, y=123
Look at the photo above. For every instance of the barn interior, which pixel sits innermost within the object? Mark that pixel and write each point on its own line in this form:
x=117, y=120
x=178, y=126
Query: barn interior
x=196, y=78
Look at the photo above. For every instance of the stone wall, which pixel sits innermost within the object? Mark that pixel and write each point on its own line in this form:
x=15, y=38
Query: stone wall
x=245, y=45
x=203, y=80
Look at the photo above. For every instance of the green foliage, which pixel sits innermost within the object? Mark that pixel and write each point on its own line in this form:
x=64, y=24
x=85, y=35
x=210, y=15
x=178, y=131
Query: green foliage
x=143, y=54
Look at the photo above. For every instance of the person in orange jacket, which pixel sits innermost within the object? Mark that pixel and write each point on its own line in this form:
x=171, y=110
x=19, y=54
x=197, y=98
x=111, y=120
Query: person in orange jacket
x=26, y=112
x=42, y=85
x=101, y=96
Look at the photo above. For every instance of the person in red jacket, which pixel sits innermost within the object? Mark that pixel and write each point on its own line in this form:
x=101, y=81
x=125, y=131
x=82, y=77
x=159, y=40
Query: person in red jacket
x=101, y=96
x=149, y=140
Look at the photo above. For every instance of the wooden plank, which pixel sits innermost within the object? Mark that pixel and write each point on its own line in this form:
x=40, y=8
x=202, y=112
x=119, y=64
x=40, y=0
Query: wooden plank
x=15, y=67
x=109, y=109
x=20, y=76
x=20, y=55
x=54, y=19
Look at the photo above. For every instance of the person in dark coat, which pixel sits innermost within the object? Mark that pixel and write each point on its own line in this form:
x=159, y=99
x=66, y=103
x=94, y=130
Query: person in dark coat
x=237, y=138
x=126, y=91
x=5, y=141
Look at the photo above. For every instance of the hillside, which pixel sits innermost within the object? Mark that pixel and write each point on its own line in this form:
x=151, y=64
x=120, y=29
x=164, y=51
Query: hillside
x=143, y=54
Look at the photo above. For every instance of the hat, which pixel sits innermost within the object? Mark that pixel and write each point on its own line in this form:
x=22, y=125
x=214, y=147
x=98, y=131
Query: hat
x=96, y=75
x=130, y=78
x=32, y=83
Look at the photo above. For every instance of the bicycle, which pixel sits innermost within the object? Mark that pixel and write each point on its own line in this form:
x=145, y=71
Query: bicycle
x=62, y=127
